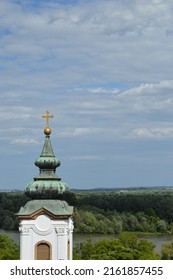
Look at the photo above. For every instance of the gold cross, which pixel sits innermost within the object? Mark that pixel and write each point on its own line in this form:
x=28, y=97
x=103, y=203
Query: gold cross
x=47, y=117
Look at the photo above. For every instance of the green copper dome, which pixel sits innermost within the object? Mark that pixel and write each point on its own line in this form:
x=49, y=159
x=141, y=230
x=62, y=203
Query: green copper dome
x=47, y=160
x=45, y=189
x=47, y=185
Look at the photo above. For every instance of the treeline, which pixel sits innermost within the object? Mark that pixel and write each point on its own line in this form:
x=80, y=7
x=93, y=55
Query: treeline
x=95, y=221
x=105, y=212
x=118, y=211
x=10, y=204
x=159, y=203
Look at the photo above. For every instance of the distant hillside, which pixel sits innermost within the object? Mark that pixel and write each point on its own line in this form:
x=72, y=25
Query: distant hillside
x=117, y=189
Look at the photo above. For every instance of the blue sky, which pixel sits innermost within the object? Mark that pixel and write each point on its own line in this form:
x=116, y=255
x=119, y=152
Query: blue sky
x=104, y=70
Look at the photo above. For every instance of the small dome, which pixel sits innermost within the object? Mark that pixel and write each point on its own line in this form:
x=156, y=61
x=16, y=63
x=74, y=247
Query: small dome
x=43, y=189
x=47, y=162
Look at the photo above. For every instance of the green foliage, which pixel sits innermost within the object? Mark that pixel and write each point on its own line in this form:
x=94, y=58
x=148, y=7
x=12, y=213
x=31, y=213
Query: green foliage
x=105, y=212
x=8, y=249
x=152, y=203
x=126, y=247
x=10, y=204
x=161, y=226
x=92, y=221
x=142, y=211
x=167, y=251
x=69, y=197
x=129, y=240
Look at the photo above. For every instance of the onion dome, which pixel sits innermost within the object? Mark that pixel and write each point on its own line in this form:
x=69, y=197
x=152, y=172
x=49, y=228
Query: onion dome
x=47, y=185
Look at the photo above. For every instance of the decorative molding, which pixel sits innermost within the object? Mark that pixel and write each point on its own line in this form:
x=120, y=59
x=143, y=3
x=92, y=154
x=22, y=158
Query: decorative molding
x=43, y=223
x=42, y=233
x=71, y=227
x=61, y=230
x=43, y=211
x=24, y=230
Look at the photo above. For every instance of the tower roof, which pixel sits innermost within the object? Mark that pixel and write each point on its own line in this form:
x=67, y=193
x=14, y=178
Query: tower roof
x=52, y=207
x=47, y=185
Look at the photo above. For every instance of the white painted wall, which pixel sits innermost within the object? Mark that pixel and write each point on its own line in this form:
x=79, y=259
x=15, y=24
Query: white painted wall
x=57, y=232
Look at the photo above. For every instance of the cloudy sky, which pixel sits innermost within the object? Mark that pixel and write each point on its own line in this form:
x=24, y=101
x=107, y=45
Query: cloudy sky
x=104, y=70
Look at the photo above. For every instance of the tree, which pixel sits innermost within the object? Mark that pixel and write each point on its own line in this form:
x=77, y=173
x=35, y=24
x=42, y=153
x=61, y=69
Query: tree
x=8, y=249
x=146, y=251
x=167, y=251
x=128, y=239
x=124, y=248
x=161, y=226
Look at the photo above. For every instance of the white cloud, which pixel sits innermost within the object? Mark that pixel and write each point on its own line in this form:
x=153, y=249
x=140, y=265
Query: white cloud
x=94, y=41
x=24, y=141
x=155, y=132
x=103, y=68
x=13, y=112
x=114, y=114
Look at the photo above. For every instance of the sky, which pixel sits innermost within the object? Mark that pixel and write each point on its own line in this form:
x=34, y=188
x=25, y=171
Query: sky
x=104, y=70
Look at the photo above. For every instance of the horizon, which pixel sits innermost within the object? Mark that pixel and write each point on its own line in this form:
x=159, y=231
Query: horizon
x=15, y=190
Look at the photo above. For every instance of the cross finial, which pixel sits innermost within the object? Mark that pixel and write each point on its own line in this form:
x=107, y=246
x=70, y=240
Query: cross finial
x=47, y=130
x=47, y=116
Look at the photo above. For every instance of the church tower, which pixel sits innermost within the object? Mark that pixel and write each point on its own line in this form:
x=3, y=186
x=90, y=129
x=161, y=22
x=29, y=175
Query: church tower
x=46, y=226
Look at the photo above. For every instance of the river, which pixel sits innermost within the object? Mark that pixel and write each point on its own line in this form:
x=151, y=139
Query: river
x=158, y=240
